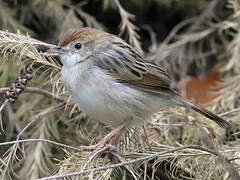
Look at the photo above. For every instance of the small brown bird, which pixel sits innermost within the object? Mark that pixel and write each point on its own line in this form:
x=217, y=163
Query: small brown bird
x=115, y=84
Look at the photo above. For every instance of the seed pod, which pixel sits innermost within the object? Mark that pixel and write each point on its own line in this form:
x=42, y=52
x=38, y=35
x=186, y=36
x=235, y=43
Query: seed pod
x=29, y=69
x=19, y=79
x=24, y=81
x=13, y=95
x=7, y=94
x=28, y=76
x=17, y=90
x=11, y=100
x=13, y=86
x=20, y=86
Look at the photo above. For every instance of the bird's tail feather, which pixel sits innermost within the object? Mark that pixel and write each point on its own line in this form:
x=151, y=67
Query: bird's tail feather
x=222, y=122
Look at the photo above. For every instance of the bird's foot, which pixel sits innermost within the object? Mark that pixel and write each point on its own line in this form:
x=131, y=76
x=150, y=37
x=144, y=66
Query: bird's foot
x=115, y=135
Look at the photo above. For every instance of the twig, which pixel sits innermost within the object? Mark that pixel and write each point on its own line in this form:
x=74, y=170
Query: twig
x=21, y=45
x=55, y=108
x=167, y=125
x=233, y=159
x=40, y=140
x=92, y=156
x=129, y=27
x=26, y=39
x=37, y=91
x=145, y=170
x=177, y=28
x=147, y=137
x=131, y=161
x=229, y=112
x=126, y=166
x=154, y=45
x=1, y=108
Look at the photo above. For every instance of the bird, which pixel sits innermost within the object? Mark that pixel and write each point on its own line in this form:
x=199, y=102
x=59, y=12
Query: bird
x=113, y=83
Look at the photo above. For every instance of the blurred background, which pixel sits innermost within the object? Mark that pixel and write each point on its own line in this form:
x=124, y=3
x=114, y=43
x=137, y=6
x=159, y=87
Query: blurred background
x=198, y=42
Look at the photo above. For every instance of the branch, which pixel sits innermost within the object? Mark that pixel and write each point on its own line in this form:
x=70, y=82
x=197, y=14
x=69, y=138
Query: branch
x=131, y=161
x=229, y=112
x=167, y=125
x=40, y=140
x=1, y=108
x=24, y=39
x=129, y=27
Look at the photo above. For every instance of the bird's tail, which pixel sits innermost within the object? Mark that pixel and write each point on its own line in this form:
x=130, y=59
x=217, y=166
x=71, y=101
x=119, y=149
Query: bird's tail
x=222, y=122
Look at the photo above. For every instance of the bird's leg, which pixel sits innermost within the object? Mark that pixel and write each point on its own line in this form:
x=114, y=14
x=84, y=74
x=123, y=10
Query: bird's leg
x=117, y=137
x=115, y=133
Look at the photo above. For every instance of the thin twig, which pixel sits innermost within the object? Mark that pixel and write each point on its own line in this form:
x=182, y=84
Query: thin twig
x=233, y=159
x=147, y=137
x=177, y=28
x=145, y=170
x=92, y=156
x=26, y=39
x=154, y=44
x=167, y=125
x=129, y=27
x=229, y=112
x=1, y=108
x=40, y=140
x=131, y=161
x=126, y=166
x=51, y=109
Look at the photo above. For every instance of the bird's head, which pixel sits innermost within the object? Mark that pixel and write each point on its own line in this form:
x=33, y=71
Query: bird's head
x=79, y=44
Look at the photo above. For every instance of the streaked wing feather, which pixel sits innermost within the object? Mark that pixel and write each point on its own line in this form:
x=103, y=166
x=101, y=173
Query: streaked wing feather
x=128, y=66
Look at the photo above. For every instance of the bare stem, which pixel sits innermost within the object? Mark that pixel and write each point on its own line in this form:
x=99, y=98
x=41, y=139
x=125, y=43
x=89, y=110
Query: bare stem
x=229, y=112
x=1, y=108
x=40, y=140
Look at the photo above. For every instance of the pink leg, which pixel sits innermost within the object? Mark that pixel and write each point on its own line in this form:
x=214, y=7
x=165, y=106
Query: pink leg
x=115, y=133
x=116, y=138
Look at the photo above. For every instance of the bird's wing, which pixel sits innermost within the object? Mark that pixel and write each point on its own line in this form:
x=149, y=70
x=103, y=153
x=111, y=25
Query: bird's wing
x=128, y=66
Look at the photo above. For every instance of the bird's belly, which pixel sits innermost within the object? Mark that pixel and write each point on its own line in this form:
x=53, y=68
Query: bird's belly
x=105, y=100
x=114, y=105
x=101, y=107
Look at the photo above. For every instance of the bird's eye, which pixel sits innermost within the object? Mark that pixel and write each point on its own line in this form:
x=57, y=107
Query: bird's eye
x=78, y=46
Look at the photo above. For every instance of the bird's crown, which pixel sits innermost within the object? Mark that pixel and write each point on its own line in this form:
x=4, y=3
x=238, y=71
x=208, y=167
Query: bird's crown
x=85, y=34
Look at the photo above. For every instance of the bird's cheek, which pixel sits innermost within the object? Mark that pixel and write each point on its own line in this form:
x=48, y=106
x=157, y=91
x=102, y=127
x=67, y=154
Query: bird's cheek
x=64, y=60
x=70, y=59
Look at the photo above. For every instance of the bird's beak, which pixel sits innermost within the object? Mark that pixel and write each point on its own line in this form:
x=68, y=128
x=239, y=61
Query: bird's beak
x=56, y=51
